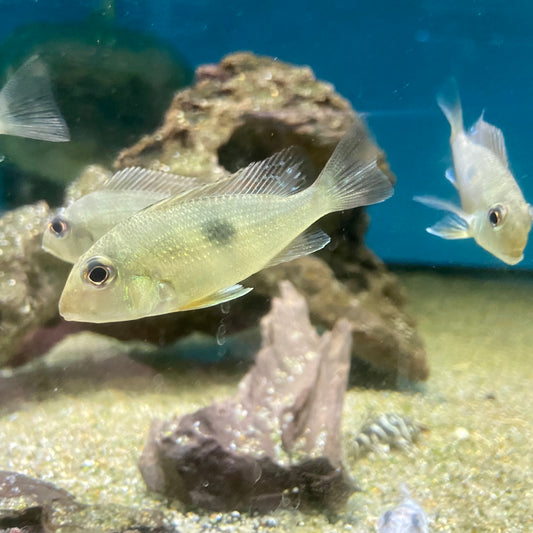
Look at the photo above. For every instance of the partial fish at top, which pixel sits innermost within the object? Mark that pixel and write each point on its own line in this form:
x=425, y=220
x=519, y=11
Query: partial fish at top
x=193, y=250
x=493, y=210
x=27, y=106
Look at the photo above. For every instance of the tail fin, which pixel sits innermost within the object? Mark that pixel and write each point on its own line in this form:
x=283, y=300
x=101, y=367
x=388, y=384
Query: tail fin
x=449, y=101
x=352, y=177
x=27, y=106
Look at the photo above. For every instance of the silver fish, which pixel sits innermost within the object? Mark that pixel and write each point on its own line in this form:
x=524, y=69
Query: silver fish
x=493, y=210
x=192, y=251
x=76, y=227
x=408, y=517
x=27, y=106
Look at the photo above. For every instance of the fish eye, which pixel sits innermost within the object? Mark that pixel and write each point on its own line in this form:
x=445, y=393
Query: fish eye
x=58, y=227
x=99, y=272
x=496, y=215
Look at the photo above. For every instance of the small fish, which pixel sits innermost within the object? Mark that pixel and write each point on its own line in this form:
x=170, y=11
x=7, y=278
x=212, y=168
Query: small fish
x=27, y=106
x=493, y=210
x=78, y=226
x=408, y=517
x=193, y=251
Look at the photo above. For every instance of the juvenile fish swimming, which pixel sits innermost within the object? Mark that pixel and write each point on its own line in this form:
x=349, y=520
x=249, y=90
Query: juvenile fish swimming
x=192, y=251
x=27, y=106
x=493, y=210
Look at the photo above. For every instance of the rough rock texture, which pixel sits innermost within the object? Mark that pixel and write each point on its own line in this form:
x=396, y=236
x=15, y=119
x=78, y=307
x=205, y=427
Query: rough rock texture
x=242, y=110
x=31, y=503
x=383, y=337
x=30, y=279
x=34, y=506
x=277, y=442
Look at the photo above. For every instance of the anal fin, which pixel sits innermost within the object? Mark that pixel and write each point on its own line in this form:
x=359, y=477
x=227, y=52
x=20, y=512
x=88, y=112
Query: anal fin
x=219, y=297
x=306, y=243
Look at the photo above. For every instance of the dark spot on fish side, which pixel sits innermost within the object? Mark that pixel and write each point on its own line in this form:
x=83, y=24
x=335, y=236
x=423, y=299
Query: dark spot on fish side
x=219, y=231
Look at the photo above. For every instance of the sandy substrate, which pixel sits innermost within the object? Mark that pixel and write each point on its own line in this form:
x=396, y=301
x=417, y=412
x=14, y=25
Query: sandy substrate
x=82, y=422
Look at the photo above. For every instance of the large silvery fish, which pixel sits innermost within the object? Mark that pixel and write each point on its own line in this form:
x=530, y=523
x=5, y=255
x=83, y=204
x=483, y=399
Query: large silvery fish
x=493, y=210
x=192, y=251
x=79, y=225
x=27, y=106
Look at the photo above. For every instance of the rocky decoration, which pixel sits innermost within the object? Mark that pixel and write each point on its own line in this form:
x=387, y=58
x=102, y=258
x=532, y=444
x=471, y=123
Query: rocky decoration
x=277, y=442
x=30, y=279
x=32, y=504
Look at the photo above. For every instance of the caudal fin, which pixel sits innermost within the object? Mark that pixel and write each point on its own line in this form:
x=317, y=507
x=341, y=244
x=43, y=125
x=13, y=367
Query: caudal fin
x=352, y=177
x=27, y=106
x=449, y=101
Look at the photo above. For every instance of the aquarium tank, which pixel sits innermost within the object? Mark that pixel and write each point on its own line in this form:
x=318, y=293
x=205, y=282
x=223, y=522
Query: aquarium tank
x=264, y=266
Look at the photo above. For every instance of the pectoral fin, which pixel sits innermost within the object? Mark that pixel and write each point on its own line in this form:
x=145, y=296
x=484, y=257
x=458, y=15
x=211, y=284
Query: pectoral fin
x=456, y=225
x=450, y=227
x=219, y=297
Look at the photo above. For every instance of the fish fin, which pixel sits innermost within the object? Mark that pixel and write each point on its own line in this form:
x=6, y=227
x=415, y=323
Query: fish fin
x=443, y=205
x=530, y=210
x=451, y=227
x=490, y=137
x=352, y=176
x=306, y=243
x=142, y=179
x=219, y=297
x=27, y=106
x=283, y=174
x=279, y=174
x=450, y=176
x=450, y=103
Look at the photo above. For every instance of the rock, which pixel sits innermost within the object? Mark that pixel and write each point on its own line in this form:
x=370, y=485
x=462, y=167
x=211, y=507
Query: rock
x=31, y=503
x=384, y=337
x=243, y=110
x=35, y=506
x=31, y=280
x=278, y=441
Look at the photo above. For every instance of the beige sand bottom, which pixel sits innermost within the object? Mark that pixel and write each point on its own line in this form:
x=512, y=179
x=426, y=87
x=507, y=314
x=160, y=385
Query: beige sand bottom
x=472, y=471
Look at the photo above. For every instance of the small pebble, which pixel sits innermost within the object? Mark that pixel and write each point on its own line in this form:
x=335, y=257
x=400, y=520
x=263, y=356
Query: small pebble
x=461, y=433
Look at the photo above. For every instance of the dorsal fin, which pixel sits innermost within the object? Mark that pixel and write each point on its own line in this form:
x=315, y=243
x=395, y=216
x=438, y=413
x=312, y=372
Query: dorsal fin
x=279, y=174
x=143, y=179
x=490, y=137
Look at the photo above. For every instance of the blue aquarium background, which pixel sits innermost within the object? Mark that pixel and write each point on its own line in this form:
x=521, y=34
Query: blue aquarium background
x=389, y=59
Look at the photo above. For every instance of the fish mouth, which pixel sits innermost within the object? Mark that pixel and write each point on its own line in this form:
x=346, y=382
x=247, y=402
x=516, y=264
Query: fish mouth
x=511, y=259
